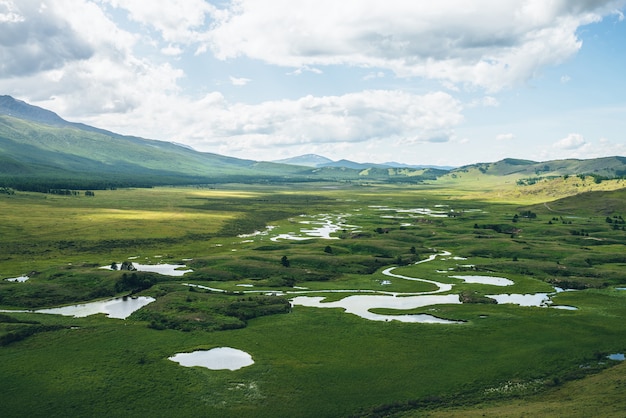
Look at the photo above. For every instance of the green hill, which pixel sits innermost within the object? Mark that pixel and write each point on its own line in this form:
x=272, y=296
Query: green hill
x=605, y=203
x=610, y=167
x=38, y=149
x=36, y=152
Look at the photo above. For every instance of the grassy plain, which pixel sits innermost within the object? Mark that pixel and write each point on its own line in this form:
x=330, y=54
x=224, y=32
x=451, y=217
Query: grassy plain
x=504, y=359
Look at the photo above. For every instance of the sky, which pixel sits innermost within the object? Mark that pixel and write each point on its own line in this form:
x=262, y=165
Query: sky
x=450, y=82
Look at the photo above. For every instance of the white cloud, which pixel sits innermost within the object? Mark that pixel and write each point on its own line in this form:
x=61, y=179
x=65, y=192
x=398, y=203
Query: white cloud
x=239, y=81
x=565, y=79
x=575, y=146
x=304, y=69
x=505, y=137
x=92, y=67
x=486, y=101
x=492, y=44
x=570, y=142
x=389, y=117
x=9, y=13
x=105, y=63
x=374, y=75
x=172, y=50
x=606, y=147
x=177, y=21
x=355, y=117
x=33, y=39
x=114, y=88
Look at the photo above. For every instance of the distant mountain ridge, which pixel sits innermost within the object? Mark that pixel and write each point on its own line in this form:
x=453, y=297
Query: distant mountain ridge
x=314, y=160
x=307, y=160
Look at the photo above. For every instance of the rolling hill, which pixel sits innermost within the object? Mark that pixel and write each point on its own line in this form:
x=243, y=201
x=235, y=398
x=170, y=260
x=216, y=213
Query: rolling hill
x=610, y=167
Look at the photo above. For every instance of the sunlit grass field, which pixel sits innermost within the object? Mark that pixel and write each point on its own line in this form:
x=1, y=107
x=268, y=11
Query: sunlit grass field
x=502, y=360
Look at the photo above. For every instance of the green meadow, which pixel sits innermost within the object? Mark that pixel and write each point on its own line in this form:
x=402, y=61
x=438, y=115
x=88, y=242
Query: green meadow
x=249, y=252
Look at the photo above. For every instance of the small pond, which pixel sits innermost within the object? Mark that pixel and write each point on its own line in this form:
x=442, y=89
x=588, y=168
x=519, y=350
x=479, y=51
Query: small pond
x=541, y=300
x=535, y=299
x=164, y=269
x=221, y=358
x=496, y=281
x=119, y=308
x=20, y=279
x=616, y=357
x=565, y=307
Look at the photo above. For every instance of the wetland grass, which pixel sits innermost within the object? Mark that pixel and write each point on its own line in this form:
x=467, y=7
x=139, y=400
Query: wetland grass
x=308, y=361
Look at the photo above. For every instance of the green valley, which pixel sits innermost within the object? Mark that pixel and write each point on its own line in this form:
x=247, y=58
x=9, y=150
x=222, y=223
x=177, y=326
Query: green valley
x=252, y=249
x=493, y=289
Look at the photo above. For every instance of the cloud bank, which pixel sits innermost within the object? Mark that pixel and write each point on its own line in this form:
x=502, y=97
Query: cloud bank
x=485, y=43
x=118, y=64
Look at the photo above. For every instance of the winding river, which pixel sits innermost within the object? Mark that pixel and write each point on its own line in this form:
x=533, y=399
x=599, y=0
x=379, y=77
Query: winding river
x=364, y=301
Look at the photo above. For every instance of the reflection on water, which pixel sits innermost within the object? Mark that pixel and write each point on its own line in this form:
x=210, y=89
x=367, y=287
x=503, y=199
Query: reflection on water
x=221, y=358
x=325, y=226
x=541, y=300
x=496, y=281
x=164, y=269
x=119, y=308
x=361, y=305
x=20, y=279
x=565, y=307
x=414, y=211
x=535, y=299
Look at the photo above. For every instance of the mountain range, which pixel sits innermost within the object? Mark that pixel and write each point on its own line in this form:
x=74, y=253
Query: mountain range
x=40, y=150
x=314, y=160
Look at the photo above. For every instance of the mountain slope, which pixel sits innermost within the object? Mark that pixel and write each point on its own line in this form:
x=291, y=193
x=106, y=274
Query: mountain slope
x=39, y=150
x=44, y=150
x=38, y=146
x=610, y=167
